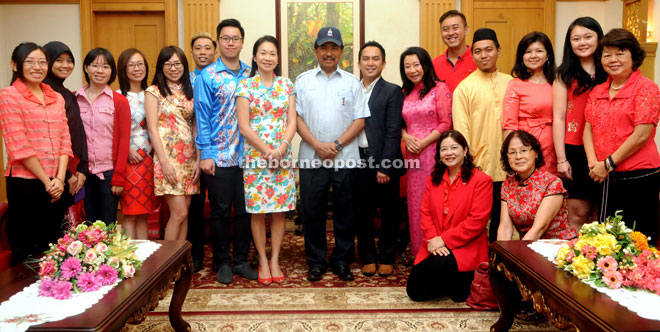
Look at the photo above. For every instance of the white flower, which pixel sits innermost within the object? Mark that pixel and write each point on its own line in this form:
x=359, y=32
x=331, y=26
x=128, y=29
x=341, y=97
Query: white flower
x=101, y=248
x=90, y=256
x=74, y=248
x=128, y=270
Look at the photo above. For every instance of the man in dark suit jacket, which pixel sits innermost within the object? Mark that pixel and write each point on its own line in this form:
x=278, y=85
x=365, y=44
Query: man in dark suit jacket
x=380, y=151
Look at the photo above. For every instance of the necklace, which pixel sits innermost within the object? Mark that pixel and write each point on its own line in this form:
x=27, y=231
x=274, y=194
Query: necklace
x=175, y=86
x=617, y=88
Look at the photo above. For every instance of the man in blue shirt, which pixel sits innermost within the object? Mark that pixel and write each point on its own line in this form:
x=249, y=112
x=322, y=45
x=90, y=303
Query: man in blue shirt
x=331, y=110
x=221, y=146
x=203, y=51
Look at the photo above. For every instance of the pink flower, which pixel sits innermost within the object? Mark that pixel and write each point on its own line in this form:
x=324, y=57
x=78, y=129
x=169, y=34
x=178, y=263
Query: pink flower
x=88, y=282
x=128, y=270
x=62, y=290
x=74, y=248
x=70, y=268
x=47, y=268
x=613, y=279
x=570, y=256
x=46, y=287
x=101, y=248
x=589, y=252
x=607, y=264
x=90, y=256
x=107, y=274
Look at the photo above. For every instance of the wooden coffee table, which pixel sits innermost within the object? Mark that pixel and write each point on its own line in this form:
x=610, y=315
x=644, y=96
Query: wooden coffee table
x=567, y=302
x=128, y=302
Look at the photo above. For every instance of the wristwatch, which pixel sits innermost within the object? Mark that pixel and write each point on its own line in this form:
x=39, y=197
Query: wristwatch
x=339, y=146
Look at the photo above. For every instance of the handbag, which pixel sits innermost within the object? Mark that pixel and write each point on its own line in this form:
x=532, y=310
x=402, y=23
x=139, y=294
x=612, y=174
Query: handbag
x=481, y=294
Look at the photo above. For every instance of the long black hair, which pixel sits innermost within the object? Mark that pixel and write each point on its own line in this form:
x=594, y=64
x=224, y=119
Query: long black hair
x=122, y=67
x=520, y=70
x=467, y=169
x=18, y=58
x=255, y=48
x=159, y=77
x=571, y=70
x=429, y=79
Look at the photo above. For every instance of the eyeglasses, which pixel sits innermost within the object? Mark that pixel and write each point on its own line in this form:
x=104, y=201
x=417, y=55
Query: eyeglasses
x=227, y=39
x=170, y=65
x=134, y=65
x=40, y=63
x=521, y=152
x=96, y=66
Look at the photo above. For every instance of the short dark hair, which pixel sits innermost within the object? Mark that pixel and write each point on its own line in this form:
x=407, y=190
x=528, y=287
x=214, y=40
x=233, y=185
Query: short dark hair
x=202, y=35
x=109, y=59
x=159, y=77
x=122, y=66
x=624, y=40
x=18, y=57
x=373, y=44
x=255, y=48
x=452, y=13
x=527, y=139
x=429, y=78
x=520, y=70
x=467, y=169
x=229, y=22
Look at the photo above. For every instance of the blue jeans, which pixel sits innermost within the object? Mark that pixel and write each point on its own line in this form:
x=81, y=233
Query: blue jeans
x=100, y=203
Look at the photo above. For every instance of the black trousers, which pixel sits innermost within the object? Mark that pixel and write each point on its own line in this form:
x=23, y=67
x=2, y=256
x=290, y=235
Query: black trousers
x=225, y=189
x=495, y=212
x=32, y=220
x=636, y=193
x=196, y=222
x=100, y=203
x=438, y=276
x=372, y=196
x=315, y=185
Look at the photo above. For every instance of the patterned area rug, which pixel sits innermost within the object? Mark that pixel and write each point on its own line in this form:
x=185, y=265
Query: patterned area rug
x=330, y=305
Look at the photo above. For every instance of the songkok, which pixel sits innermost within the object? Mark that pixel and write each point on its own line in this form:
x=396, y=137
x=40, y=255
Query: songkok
x=485, y=34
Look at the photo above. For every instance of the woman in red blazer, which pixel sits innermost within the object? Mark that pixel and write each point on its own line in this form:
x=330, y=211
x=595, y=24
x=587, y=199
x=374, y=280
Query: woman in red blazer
x=455, y=209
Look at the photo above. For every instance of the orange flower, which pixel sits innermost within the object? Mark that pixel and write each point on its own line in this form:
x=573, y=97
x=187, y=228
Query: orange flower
x=640, y=240
x=282, y=199
x=250, y=178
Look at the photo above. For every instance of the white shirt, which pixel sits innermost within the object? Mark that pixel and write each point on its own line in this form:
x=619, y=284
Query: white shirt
x=329, y=105
x=367, y=90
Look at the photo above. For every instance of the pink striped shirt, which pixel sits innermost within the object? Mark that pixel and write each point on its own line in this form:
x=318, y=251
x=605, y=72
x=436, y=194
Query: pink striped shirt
x=98, y=119
x=33, y=129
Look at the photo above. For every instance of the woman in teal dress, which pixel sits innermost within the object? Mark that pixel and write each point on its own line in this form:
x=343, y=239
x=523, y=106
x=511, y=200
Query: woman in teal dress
x=266, y=110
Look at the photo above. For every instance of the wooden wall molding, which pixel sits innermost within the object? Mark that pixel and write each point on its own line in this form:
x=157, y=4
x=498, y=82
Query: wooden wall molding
x=88, y=8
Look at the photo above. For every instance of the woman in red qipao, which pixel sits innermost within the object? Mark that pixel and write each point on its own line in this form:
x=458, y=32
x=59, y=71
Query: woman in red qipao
x=455, y=209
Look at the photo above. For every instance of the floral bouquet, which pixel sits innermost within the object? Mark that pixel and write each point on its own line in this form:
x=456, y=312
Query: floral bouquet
x=613, y=255
x=86, y=258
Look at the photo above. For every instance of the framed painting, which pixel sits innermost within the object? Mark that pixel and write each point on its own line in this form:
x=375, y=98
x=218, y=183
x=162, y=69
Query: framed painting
x=298, y=23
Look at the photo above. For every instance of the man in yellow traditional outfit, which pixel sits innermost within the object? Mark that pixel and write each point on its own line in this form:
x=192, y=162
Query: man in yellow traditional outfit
x=477, y=114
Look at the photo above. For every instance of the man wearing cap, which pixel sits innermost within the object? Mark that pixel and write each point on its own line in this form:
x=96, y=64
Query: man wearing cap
x=331, y=110
x=456, y=63
x=477, y=114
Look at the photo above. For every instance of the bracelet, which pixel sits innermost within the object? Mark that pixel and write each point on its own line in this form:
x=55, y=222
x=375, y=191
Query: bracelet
x=608, y=167
x=56, y=178
x=563, y=161
x=287, y=142
x=278, y=151
x=611, y=161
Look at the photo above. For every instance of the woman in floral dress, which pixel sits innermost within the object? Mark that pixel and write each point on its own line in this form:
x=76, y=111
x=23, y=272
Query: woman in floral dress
x=426, y=113
x=266, y=111
x=172, y=129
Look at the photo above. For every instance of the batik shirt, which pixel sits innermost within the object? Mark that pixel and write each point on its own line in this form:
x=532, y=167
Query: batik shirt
x=218, y=137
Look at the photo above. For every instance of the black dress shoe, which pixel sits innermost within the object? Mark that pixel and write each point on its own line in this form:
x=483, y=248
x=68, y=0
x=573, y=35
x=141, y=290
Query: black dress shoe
x=198, y=264
x=315, y=273
x=343, y=272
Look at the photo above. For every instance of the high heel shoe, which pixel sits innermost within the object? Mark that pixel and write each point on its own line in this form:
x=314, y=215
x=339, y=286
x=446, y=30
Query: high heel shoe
x=278, y=280
x=264, y=281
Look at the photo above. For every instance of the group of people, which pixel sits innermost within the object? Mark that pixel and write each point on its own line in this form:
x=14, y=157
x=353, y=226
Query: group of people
x=478, y=145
